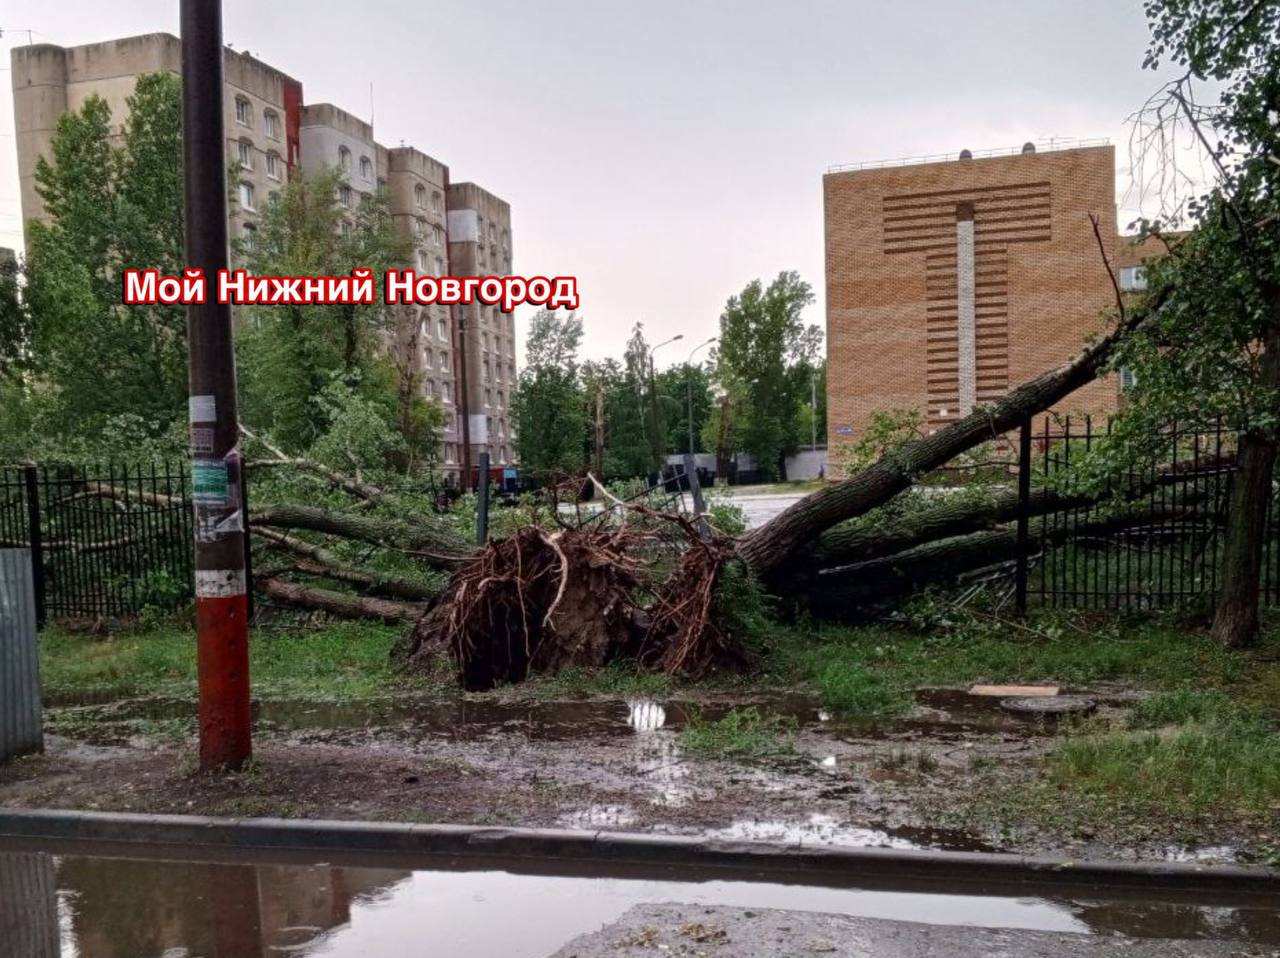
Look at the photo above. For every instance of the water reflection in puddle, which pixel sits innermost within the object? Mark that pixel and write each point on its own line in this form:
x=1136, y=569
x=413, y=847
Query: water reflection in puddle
x=88, y=907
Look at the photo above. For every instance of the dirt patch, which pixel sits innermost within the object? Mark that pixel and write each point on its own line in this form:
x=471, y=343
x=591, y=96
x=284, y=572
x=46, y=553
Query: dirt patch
x=605, y=764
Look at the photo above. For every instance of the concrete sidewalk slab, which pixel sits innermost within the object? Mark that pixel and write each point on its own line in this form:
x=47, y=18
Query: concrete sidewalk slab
x=703, y=930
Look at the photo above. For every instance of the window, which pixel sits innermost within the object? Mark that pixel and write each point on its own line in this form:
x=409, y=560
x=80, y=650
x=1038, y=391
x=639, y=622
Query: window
x=273, y=197
x=435, y=200
x=429, y=359
x=271, y=124
x=366, y=168
x=1127, y=378
x=1133, y=279
x=439, y=266
x=443, y=328
x=250, y=236
x=344, y=159
x=488, y=397
x=437, y=235
x=244, y=150
x=420, y=196
x=346, y=227
x=244, y=112
x=246, y=196
x=345, y=195
x=274, y=166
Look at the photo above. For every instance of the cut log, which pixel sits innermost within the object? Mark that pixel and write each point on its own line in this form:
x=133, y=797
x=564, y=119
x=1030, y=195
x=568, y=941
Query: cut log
x=337, y=603
x=768, y=549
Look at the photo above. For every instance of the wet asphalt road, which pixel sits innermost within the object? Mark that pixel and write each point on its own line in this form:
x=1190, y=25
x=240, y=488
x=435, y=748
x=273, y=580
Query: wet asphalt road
x=117, y=906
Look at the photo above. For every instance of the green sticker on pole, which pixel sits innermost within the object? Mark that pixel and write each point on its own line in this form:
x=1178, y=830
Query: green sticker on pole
x=209, y=482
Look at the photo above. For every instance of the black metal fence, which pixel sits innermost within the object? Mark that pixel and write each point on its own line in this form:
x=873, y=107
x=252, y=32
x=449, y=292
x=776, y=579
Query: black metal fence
x=1155, y=538
x=106, y=540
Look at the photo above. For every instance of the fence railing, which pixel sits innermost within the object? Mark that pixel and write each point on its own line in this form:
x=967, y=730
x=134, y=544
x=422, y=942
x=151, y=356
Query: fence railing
x=1154, y=538
x=106, y=540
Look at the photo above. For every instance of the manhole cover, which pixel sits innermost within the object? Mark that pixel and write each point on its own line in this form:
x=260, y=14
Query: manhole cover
x=1057, y=705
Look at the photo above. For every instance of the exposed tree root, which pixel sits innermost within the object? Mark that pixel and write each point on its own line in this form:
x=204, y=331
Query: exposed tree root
x=537, y=601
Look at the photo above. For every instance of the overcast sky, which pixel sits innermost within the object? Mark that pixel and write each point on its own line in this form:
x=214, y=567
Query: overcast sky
x=666, y=153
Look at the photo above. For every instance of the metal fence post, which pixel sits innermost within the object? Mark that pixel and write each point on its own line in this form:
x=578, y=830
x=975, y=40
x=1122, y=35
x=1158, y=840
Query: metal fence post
x=36, y=542
x=1024, y=511
x=482, y=504
x=695, y=492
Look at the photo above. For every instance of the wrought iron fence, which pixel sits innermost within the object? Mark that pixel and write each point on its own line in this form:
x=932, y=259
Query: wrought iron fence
x=1154, y=539
x=106, y=540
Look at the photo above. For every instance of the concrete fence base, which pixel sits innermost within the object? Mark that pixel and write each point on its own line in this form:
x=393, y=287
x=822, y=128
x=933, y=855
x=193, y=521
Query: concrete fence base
x=20, y=721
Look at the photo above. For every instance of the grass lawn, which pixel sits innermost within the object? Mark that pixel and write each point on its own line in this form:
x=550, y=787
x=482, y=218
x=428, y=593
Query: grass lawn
x=340, y=661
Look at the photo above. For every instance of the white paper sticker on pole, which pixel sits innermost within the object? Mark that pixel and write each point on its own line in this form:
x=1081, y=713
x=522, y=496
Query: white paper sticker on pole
x=219, y=583
x=202, y=409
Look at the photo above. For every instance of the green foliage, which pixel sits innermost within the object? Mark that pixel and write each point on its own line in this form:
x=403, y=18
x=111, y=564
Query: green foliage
x=622, y=395
x=289, y=355
x=679, y=388
x=743, y=609
x=548, y=404
x=725, y=516
x=888, y=431
x=89, y=359
x=741, y=733
x=765, y=353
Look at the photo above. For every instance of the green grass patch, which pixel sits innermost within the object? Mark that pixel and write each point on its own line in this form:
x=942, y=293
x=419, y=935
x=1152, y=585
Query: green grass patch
x=852, y=691
x=1152, y=655
x=340, y=661
x=741, y=733
x=1227, y=762
x=1180, y=707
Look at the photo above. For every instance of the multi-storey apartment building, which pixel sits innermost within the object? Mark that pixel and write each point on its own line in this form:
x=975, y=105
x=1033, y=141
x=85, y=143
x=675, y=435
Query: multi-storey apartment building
x=272, y=135
x=950, y=281
x=480, y=245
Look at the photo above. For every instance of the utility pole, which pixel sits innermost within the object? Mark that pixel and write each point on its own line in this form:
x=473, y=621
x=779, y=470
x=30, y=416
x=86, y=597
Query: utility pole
x=688, y=388
x=222, y=605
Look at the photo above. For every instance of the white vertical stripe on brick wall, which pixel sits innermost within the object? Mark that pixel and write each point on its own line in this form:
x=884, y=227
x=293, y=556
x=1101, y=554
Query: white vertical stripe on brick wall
x=966, y=332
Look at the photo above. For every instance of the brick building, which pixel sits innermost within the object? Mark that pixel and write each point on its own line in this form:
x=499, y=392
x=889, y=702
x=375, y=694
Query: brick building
x=271, y=135
x=948, y=282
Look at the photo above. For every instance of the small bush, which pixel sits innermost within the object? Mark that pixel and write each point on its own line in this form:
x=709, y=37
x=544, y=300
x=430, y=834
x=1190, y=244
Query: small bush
x=742, y=733
x=1180, y=707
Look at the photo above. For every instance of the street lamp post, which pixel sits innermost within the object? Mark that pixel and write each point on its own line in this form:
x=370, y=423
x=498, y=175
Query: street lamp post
x=688, y=388
x=653, y=397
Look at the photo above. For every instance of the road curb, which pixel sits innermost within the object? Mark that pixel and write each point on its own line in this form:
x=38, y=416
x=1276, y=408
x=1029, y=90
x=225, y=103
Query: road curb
x=817, y=864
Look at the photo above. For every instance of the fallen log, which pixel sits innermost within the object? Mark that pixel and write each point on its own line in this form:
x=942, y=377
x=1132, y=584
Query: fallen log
x=845, y=591
x=337, y=603
x=353, y=485
x=954, y=515
x=431, y=541
x=766, y=550
x=315, y=560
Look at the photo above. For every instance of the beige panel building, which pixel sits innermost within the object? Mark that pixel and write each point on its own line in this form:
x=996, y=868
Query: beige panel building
x=480, y=245
x=949, y=282
x=272, y=135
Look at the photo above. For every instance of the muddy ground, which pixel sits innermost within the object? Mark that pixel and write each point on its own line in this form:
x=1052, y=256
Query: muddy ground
x=957, y=773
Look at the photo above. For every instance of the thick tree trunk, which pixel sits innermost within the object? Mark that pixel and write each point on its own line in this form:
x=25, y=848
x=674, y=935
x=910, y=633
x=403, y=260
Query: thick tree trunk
x=432, y=542
x=767, y=549
x=338, y=603
x=1235, y=624
x=317, y=561
x=867, y=584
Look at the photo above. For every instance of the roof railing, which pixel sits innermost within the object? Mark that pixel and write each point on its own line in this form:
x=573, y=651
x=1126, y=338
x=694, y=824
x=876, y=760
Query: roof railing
x=1051, y=145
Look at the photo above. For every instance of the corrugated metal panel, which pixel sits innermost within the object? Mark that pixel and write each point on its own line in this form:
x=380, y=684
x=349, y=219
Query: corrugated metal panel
x=28, y=907
x=20, y=720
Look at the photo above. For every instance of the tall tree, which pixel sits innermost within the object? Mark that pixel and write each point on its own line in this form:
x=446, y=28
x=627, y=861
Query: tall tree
x=1215, y=343
x=549, y=404
x=289, y=354
x=109, y=207
x=762, y=337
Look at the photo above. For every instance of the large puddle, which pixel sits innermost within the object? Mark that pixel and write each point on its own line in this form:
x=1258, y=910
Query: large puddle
x=115, y=907
x=939, y=712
